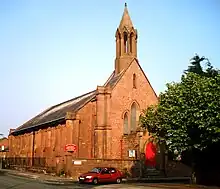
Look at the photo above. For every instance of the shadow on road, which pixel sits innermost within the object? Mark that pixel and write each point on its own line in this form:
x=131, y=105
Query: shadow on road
x=2, y=173
x=81, y=186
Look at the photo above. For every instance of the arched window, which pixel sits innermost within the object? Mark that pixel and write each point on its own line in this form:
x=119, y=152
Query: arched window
x=133, y=116
x=134, y=81
x=126, y=130
x=125, y=42
x=131, y=40
x=119, y=46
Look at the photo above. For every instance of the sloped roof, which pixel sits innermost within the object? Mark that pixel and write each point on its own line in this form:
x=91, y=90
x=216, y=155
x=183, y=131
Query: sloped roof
x=113, y=79
x=58, y=111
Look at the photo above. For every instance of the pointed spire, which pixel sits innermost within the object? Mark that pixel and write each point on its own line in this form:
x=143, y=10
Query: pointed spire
x=126, y=20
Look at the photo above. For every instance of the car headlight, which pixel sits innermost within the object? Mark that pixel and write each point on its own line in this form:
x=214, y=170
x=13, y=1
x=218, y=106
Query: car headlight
x=88, y=177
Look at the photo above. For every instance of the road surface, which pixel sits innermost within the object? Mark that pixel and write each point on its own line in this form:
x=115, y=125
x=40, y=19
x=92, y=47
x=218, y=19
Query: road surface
x=14, y=182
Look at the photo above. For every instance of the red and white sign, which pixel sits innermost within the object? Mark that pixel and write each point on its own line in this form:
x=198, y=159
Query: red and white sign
x=70, y=148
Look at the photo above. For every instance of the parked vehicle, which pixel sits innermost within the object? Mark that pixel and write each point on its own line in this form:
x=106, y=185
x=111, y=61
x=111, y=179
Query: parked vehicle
x=101, y=175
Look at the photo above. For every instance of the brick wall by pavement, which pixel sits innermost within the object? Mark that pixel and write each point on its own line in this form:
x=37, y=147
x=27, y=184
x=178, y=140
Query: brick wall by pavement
x=131, y=168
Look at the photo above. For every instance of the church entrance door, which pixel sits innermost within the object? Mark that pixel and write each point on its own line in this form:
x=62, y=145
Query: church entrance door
x=150, y=155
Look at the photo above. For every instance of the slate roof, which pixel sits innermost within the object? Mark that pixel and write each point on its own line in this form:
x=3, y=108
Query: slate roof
x=57, y=112
x=113, y=79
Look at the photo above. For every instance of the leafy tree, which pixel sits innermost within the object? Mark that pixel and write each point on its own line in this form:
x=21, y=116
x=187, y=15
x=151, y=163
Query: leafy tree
x=196, y=67
x=187, y=116
x=187, y=119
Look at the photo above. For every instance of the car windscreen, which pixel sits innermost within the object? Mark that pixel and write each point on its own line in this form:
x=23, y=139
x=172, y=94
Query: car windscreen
x=95, y=170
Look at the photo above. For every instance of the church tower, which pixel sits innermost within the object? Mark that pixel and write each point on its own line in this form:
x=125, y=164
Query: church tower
x=126, y=42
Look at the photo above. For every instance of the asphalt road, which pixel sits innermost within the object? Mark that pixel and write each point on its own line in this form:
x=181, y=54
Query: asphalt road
x=14, y=182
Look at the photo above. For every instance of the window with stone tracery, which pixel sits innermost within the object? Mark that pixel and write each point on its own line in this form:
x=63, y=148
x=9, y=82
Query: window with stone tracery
x=126, y=129
x=131, y=40
x=125, y=42
x=133, y=116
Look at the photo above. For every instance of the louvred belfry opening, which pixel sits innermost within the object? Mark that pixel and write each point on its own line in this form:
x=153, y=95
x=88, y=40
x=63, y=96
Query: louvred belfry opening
x=126, y=42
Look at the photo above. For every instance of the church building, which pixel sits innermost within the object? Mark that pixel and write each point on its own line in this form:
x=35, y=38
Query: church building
x=100, y=127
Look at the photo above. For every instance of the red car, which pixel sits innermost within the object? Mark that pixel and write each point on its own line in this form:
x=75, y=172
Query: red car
x=101, y=175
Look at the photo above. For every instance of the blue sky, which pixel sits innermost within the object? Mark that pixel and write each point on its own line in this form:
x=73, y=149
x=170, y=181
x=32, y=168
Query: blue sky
x=54, y=50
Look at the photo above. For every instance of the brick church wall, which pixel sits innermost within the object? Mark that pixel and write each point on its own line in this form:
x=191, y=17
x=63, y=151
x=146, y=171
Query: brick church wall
x=49, y=142
x=86, y=130
x=130, y=142
x=123, y=95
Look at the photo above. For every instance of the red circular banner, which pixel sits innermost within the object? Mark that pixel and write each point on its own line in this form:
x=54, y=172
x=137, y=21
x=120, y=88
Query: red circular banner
x=70, y=148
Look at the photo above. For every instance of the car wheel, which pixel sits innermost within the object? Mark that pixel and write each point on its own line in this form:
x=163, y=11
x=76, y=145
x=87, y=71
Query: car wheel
x=80, y=182
x=118, y=180
x=95, y=181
